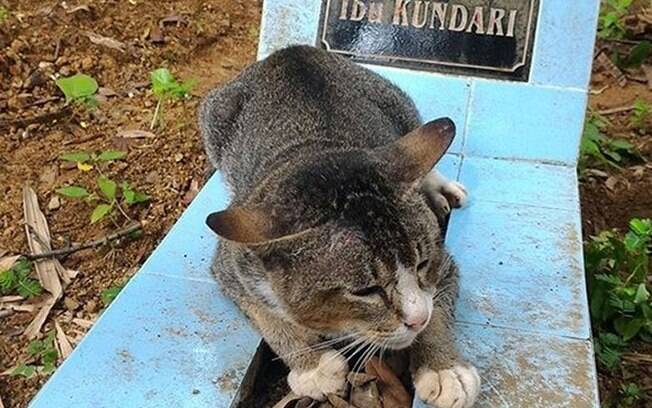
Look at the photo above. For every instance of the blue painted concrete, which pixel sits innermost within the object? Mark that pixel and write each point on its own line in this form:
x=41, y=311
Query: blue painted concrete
x=517, y=121
x=164, y=342
x=288, y=22
x=522, y=370
x=564, y=43
x=186, y=252
x=521, y=268
x=434, y=95
x=521, y=182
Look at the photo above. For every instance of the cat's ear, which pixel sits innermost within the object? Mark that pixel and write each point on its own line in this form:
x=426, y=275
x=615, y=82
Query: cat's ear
x=252, y=227
x=241, y=225
x=415, y=154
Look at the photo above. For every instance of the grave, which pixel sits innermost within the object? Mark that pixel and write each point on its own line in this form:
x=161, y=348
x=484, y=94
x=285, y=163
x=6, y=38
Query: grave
x=513, y=75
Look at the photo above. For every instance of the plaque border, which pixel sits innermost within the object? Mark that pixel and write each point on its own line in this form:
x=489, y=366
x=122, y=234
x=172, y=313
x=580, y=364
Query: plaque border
x=386, y=59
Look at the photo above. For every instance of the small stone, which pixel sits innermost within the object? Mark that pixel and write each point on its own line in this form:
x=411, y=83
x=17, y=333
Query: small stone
x=178, y=157
x=195, y=391
x=64, y=71
x=91, y=306
x=152, y=177
x=54, y=203
x=71, y=304
x=87, y=63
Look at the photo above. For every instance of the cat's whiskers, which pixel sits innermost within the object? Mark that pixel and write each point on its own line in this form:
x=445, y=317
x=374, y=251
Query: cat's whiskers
x=319, y=346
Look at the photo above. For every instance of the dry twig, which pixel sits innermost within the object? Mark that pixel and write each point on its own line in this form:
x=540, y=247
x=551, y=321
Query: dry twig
x=86, y=245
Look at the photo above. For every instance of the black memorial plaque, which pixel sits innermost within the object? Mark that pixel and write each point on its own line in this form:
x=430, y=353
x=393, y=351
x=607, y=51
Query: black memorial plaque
x=490, y=38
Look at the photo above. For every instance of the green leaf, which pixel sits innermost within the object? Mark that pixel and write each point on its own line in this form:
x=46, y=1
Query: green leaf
x=7, y=281
x=108, y=187
x=35, y=347
x=29, y=288
x=77, y=87
x=75, y=157
x=110, y=155
x=628, y=328
x=108, y=295
x=100, y=212
x=24, y=370
x=132, y=196
x=639, y=54
x=164, y=84
x=642, y=295
x=73, y=192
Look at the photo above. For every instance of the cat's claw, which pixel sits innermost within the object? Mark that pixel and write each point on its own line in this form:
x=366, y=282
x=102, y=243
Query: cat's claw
x=443, y=194
x=328, y=378
x=457, y=387
x=455, y=193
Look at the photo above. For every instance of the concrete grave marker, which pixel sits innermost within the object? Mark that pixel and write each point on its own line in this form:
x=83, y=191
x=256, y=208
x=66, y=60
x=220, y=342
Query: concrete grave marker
x=468, y=37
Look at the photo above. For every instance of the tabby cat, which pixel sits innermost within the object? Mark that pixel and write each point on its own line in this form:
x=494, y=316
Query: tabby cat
x=333, y=236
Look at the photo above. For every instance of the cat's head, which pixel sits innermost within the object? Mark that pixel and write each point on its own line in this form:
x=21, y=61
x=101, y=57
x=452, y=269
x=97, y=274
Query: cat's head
x=348, y=244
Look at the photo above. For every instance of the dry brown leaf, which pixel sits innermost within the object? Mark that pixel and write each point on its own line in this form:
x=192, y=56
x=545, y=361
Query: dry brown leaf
x=288, y=401
x=647, y=69
x=391, y=389
x=64, y=346
x=192, y=192
x=178, y=20
x=22, y=307
x=8, y=262
x=48, y=270
x=85, y=323
x=135, y=134
x=605, y=62
x=338, y=402
x=366, y=395
x=156, y=35
x=108, y=92
x=11, y=299
x=82, y=7
x=358, y=379
x=611, y=183
x=105, y=41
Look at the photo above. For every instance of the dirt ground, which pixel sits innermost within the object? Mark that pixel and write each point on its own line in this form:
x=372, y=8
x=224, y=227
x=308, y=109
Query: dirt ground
x=611, y=197
x=210, y=42
x=207, y=41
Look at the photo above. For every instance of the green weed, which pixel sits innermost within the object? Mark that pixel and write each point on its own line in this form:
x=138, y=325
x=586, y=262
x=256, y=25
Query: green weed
x=610, y=24
x=105, y=196
x=640, y=114
x=79, y=88
x=43, y=353
x=109, y=295
x=17, y=280
x=4, y=14
x=630, y=393
x=596, y=148
x=617, y=272
x=165, y=86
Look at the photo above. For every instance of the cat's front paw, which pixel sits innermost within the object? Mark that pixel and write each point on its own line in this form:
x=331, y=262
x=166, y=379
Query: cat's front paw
x=329, y=377
x=457, y=387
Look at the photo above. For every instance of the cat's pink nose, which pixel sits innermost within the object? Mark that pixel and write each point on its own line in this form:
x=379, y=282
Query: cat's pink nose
x=415, y=322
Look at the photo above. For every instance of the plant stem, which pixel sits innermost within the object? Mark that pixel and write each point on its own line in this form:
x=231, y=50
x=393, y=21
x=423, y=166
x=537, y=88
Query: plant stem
x=156, y=112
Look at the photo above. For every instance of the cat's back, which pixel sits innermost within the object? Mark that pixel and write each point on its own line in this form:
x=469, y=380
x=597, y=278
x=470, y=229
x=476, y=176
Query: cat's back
x=298, y=102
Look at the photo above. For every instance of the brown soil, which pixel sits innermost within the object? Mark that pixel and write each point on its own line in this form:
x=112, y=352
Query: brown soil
x=611, y=199
x=211, y=42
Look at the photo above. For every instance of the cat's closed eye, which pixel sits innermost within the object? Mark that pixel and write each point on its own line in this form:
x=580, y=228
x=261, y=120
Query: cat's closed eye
x=368, y=291
x=423, y=264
